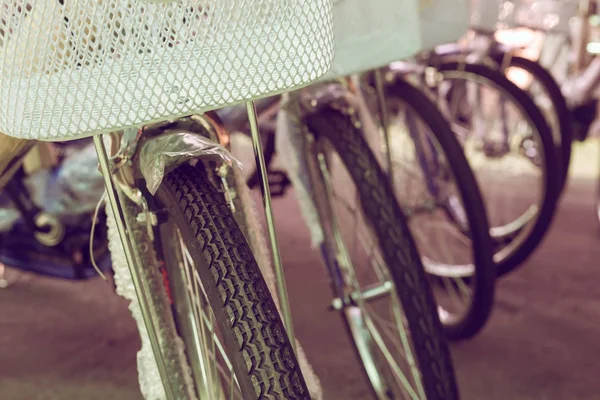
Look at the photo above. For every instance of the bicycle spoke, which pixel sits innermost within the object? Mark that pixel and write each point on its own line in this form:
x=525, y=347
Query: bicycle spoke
x=391, y=362
x=214, y=371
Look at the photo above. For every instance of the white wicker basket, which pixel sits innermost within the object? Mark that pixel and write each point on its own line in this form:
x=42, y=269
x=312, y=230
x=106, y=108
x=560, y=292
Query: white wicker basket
x=93, y=66
x=373, y=33
x=551, y=16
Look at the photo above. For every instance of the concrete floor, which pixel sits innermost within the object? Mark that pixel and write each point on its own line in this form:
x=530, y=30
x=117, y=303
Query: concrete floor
x=77, y=341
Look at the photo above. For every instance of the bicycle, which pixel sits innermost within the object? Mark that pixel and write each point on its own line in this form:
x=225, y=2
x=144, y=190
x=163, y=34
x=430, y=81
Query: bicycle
x=569, y=50
x=539, y=18
x=109, y=53
x=372, y=263
x=341, y=189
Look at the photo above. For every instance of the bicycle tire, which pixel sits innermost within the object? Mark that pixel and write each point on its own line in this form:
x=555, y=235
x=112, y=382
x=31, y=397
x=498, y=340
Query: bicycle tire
x=483, y=281
x=263, y=359
x=559, y=103
x=397, y=246
x=552, y=177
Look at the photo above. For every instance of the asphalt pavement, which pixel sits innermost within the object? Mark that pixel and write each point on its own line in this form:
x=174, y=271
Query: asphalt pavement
x=77, y=341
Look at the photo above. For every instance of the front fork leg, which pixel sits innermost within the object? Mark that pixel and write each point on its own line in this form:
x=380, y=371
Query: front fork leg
x=135, y=267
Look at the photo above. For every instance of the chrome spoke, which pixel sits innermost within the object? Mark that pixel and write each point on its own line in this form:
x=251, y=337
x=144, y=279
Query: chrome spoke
x=399, y=318
x=216, y=377
x=391, y=362
x=463, y=288
x=454, y=296
x=199, y=364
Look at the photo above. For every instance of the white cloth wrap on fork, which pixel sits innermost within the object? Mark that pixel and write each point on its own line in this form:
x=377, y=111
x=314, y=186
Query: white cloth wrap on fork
x=148, y=374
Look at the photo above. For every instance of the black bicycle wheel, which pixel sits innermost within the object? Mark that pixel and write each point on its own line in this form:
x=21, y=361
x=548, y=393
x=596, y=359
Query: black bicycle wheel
x=221, y=277
x=532, y=147
x=401, y=281
x=555, y=110
x=444, y=204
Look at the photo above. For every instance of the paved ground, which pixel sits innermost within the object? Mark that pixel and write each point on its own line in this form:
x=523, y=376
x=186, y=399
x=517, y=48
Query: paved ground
x=68, y=341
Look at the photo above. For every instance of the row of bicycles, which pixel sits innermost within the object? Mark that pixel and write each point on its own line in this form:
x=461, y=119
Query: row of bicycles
x=424, y=170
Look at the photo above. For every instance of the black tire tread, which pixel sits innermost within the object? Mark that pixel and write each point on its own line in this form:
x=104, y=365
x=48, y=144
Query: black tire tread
x=265, y=364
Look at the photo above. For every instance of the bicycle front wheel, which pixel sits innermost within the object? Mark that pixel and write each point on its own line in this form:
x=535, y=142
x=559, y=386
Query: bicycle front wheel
x=220, y=331
x=441, y=200
x=381, y=287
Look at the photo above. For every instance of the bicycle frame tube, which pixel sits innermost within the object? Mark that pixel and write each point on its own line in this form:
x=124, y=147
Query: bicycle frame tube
x=268, y=209
x=504, y=117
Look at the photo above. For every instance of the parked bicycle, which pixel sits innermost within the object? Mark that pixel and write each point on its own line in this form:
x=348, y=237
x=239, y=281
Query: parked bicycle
x=75, y=70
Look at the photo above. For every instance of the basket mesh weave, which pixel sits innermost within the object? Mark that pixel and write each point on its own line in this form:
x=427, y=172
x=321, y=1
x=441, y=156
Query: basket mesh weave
x=90, y=66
